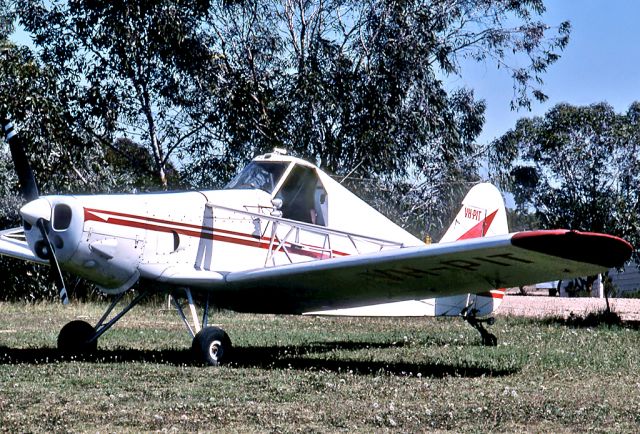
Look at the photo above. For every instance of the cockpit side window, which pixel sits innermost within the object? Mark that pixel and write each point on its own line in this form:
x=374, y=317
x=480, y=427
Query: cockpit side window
x=262, y=175
x=298, y=194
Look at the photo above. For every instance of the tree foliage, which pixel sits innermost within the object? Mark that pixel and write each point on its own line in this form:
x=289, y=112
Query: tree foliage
x=359, y=88
x=64, y=156
x=577, y=167
x=119, y=63
x=122, y=94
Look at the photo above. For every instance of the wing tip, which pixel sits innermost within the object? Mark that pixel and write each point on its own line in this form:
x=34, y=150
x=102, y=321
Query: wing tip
x=590, y=247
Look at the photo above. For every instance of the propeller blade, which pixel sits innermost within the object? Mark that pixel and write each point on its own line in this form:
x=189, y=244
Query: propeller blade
x=28, y=186
x=34, y=209
x=56, y=273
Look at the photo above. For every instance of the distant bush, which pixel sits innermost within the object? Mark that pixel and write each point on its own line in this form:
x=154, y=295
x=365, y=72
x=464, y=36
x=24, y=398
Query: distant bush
x=591, y=319
x=630, y=294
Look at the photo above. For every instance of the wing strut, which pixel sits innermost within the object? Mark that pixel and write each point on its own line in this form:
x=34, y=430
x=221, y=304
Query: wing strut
x=197, y=326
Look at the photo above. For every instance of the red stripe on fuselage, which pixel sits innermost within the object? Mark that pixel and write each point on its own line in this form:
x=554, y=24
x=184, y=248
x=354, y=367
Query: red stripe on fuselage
x=94, y=217
x=207, y=233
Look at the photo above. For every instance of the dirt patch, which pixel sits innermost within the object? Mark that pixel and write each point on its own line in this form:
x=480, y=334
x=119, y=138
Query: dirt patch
x=539, y=306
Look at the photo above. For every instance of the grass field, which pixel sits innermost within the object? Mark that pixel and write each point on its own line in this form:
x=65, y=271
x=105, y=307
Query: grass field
x=317, y=374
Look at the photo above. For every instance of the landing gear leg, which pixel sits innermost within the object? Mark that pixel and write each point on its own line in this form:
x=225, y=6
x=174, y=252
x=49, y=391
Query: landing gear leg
x=82, y=337
x=210, y=345
x=488, y=339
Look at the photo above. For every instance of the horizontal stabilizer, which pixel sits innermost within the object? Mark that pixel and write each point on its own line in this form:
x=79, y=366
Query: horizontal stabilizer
x=455, y=305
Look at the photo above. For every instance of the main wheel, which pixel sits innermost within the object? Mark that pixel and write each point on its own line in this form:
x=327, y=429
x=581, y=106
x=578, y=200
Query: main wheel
x=212, y=346
x=74, y=337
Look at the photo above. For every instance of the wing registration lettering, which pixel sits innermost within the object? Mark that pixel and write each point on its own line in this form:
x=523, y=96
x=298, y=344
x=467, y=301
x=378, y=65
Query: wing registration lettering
x=511, y=257
x=453, y=265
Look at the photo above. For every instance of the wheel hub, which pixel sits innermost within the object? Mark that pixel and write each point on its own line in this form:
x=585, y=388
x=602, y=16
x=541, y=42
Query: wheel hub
x=214, y=348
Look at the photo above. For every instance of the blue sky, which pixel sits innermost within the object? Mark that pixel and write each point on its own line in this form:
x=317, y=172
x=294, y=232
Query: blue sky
x=601, y=63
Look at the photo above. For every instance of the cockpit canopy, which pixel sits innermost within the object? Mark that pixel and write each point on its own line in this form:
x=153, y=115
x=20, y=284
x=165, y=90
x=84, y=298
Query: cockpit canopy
x=263, y=175
x=303, y=196
x=293, y=189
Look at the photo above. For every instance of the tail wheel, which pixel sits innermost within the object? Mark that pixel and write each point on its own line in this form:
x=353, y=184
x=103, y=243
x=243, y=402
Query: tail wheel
x=75, y=337
x=489, y=340
x=212, y=346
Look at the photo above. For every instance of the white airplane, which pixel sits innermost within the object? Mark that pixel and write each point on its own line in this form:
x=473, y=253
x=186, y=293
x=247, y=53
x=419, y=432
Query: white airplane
x=283, y=237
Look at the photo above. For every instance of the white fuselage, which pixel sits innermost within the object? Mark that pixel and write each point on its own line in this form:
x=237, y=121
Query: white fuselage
x=114, y=240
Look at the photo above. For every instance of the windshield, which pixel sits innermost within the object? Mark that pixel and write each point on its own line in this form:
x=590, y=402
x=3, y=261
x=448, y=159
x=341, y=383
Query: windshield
x=258, y=174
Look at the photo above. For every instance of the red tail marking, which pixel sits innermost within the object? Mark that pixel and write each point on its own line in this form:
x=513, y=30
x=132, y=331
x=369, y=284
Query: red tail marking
x=494, y=293
x=480, y=229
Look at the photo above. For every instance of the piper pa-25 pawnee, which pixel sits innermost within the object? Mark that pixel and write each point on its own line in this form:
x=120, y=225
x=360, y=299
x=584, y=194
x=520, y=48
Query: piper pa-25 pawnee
x=283, y=237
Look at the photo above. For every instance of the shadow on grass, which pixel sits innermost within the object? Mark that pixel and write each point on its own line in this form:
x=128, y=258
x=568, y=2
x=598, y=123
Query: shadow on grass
x=296, y=358
x=38, y=356
x=301, y=357
x=592, y=320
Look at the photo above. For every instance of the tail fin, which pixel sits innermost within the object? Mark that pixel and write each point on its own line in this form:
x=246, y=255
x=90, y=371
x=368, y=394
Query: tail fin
x=482, y=214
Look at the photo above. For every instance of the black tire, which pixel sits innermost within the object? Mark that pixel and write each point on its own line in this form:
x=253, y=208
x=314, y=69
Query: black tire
x=212, y=346
x=74, y=337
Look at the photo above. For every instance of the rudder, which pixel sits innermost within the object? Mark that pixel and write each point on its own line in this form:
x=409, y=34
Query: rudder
x=482, y=214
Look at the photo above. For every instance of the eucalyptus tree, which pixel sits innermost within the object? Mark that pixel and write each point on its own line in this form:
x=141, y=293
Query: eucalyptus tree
x=576, y=167
x=122, y=62
x=361, y=88
x=364, y=88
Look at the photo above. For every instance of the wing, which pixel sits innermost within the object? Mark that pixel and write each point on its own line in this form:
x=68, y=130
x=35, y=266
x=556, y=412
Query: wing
x=415, y=273
x=14, y=244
